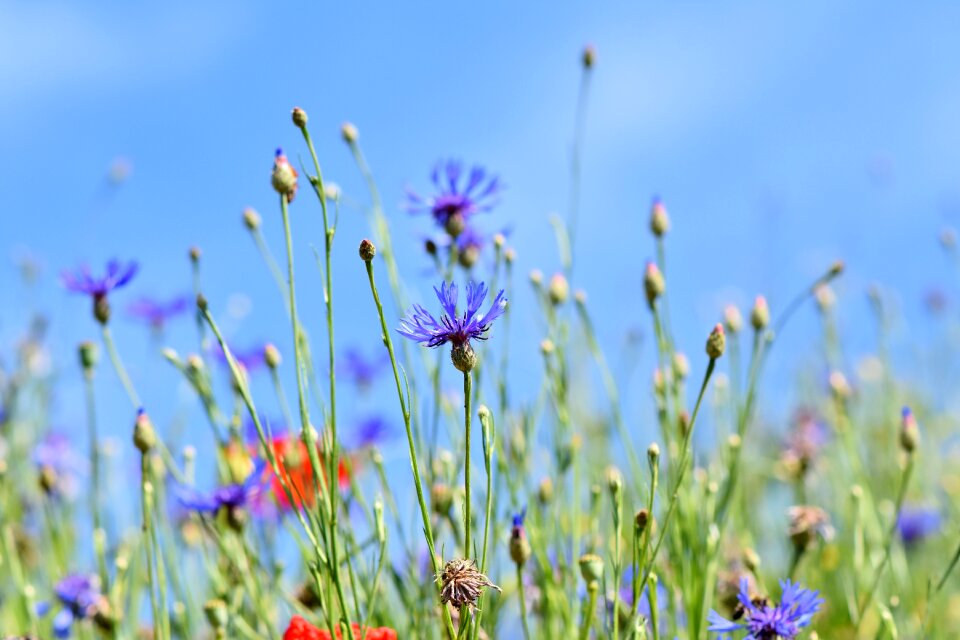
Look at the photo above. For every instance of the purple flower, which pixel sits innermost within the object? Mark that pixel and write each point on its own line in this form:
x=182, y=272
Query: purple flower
x=763, y=621
x=59, y=463
x=249, y=359
x=80, y=596
x=359, y=369
x=458, y=195
x=231, y=496
x=422, y=327
x=916, y=523
x=156, y=312
x=371, y=430
x=82, y=281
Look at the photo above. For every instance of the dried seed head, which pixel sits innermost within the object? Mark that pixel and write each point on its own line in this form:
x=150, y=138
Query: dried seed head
x=806, y=524
x=461, y=583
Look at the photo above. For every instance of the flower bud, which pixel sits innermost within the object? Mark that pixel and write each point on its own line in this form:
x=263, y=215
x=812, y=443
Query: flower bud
x=732, y=318
x=614, y=482
x=591, y=567
x=299, y=117
x=201, y=302
x=659, y=220
x=251, y=219
x=441, y=498
x=716, y=342
x=760, y=314
x=948, y=238
x=836, y=269
x=547, y=347
x=195, y=253
x=284, y=176
x=909, y=432
x=349, y=132
x=807, y=523
x=499, y=240
x=101, y=308
x=144, y=436
x=545, y=491
x=839, y=385
x=825, y=298
x=559, y=289
x=217, y=613
x=520, y=550
x=536, y=277
x=681, y=366
x=510, y=255
x=271, y=355
x=88, y=356
x=580, y=297
x=653, y=283
x=653, y=454
x=367, y=250
x=683, y=423
x=641, y=520
x=463, y=356
x=589, y=56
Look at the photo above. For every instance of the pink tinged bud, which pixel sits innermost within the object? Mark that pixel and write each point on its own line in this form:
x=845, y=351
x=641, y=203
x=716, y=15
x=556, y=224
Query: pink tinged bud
x=760, y=314
x=284, y=176
x=909, y=432
x=653, y=283
x=659, y=220
x=732, y=318
x=716, y=342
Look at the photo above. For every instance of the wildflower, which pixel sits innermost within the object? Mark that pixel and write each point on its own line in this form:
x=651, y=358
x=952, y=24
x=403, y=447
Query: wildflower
x=909, y=432
x=462, y=583
x=293, y=461
x=766, y=622
x=716, y=342
x=804, y=442
x=299, y=117
x=519, y=545
x=59, y=465
x=300, y=629
x=359, y=369
x=370, y=430
x=157, y=312
x=232, y=498
x=81, y=599
x=456, y=200
x=419, y=325
x=367, y=250
x=760, y=314
x=808, y=523
x=284, y=176
x=249, y=359
x=916, y=523
x=82, y=281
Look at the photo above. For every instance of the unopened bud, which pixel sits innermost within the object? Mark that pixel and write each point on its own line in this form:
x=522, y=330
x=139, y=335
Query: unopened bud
x=716, y=342
x=641, y=520
x=251, y=219
x=559, y=289
x=589, y=56
x=681, y=366
x=284, y=176
x=441, y=498
x=825, y=297
x=732, y=318
x=839, y=385
x=659, y=220
x=144, y=436
x=271, y=355
x=510, y=255
x=614, y=482
x=653, y=283
x=367, y=250
x=195, y=253
x=349, y=132
x=591, y=567
x=201, y=302
x=760, y=314
x=547, y=347
x=545, y=491
x=299, y=117
x=836, y=269
x=89, y=354
x=536, y=277
x=499, y=240
x=909, y=431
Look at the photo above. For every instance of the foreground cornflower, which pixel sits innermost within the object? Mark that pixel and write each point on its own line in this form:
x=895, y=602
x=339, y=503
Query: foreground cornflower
x=81, y=599
x=421, y=326
x=156, y=313
x=456, y=200
x=764, y=621
x=300, y=629
x=81, y=280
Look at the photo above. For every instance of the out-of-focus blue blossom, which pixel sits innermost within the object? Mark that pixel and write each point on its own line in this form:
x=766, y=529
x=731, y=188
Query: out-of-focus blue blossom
x=157, y=312
x=371, y=430
x=359, y=369
x=763, y=621
x=80, y=596
x=458, y=194
x=916, y=523
x=421, y=326
x=81, y=280
x=60, y=463
x=250, y=359
x=231, y=496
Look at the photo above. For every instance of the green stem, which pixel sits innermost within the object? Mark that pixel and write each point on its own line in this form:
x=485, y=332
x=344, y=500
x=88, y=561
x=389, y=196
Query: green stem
x=119, y=368
x=146, y=494
x=467, y=393
x=95, y=473
x=523, y=603
x=592, y=590
x=414, y=464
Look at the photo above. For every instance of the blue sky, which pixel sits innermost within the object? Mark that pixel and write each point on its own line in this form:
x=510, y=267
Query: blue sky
x=781, y=136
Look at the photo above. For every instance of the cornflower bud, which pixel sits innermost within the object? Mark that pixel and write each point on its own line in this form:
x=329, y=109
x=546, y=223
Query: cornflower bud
x=591, y=567
x=367, y=250
x=299, y=117
x=716, y=342
x=760, y=314
x=441, y=498
x=681, y=366
x=520, y=550
x=545, y=491
x=732, y=318
x=909, y=431
x=463, y=356
x=216, y=612
x=271, y=355
x=559, y=289
x=89, y=355
x=589, y=57
x=536, y=277
x=659, y=220
x=349, y=132
x=839, y=385
x=653, y=283
x=614, y=482
x=144, y=436
x=825, y=297
x=284, y=176
x=251, y=219
x=195, y=253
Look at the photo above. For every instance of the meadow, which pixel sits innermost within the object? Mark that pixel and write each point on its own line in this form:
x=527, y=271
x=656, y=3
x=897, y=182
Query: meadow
x=512, y=500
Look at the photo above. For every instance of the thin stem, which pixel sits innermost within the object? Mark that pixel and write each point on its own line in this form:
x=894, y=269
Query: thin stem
x=119, y=368
x=146, y=494
x=414, y=464
x=592, y=590
x=523, y=603
x=95, y=479
x=467, y=393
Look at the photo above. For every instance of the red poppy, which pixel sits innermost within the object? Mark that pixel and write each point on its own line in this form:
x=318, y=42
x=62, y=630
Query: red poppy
x=300, y=629
x=294, y=463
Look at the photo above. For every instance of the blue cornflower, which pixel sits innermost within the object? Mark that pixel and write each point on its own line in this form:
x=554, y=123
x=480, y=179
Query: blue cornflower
x=765, y=622
x=248, y=359
x=157, y=312
x=419, y=325
x=359, y=369
x=371, y=430
x=916, y=523
x=231, y=497
x=519, y=545
x=59, y=464
x=81, y=599
x=82, y=281
x=456, y=200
